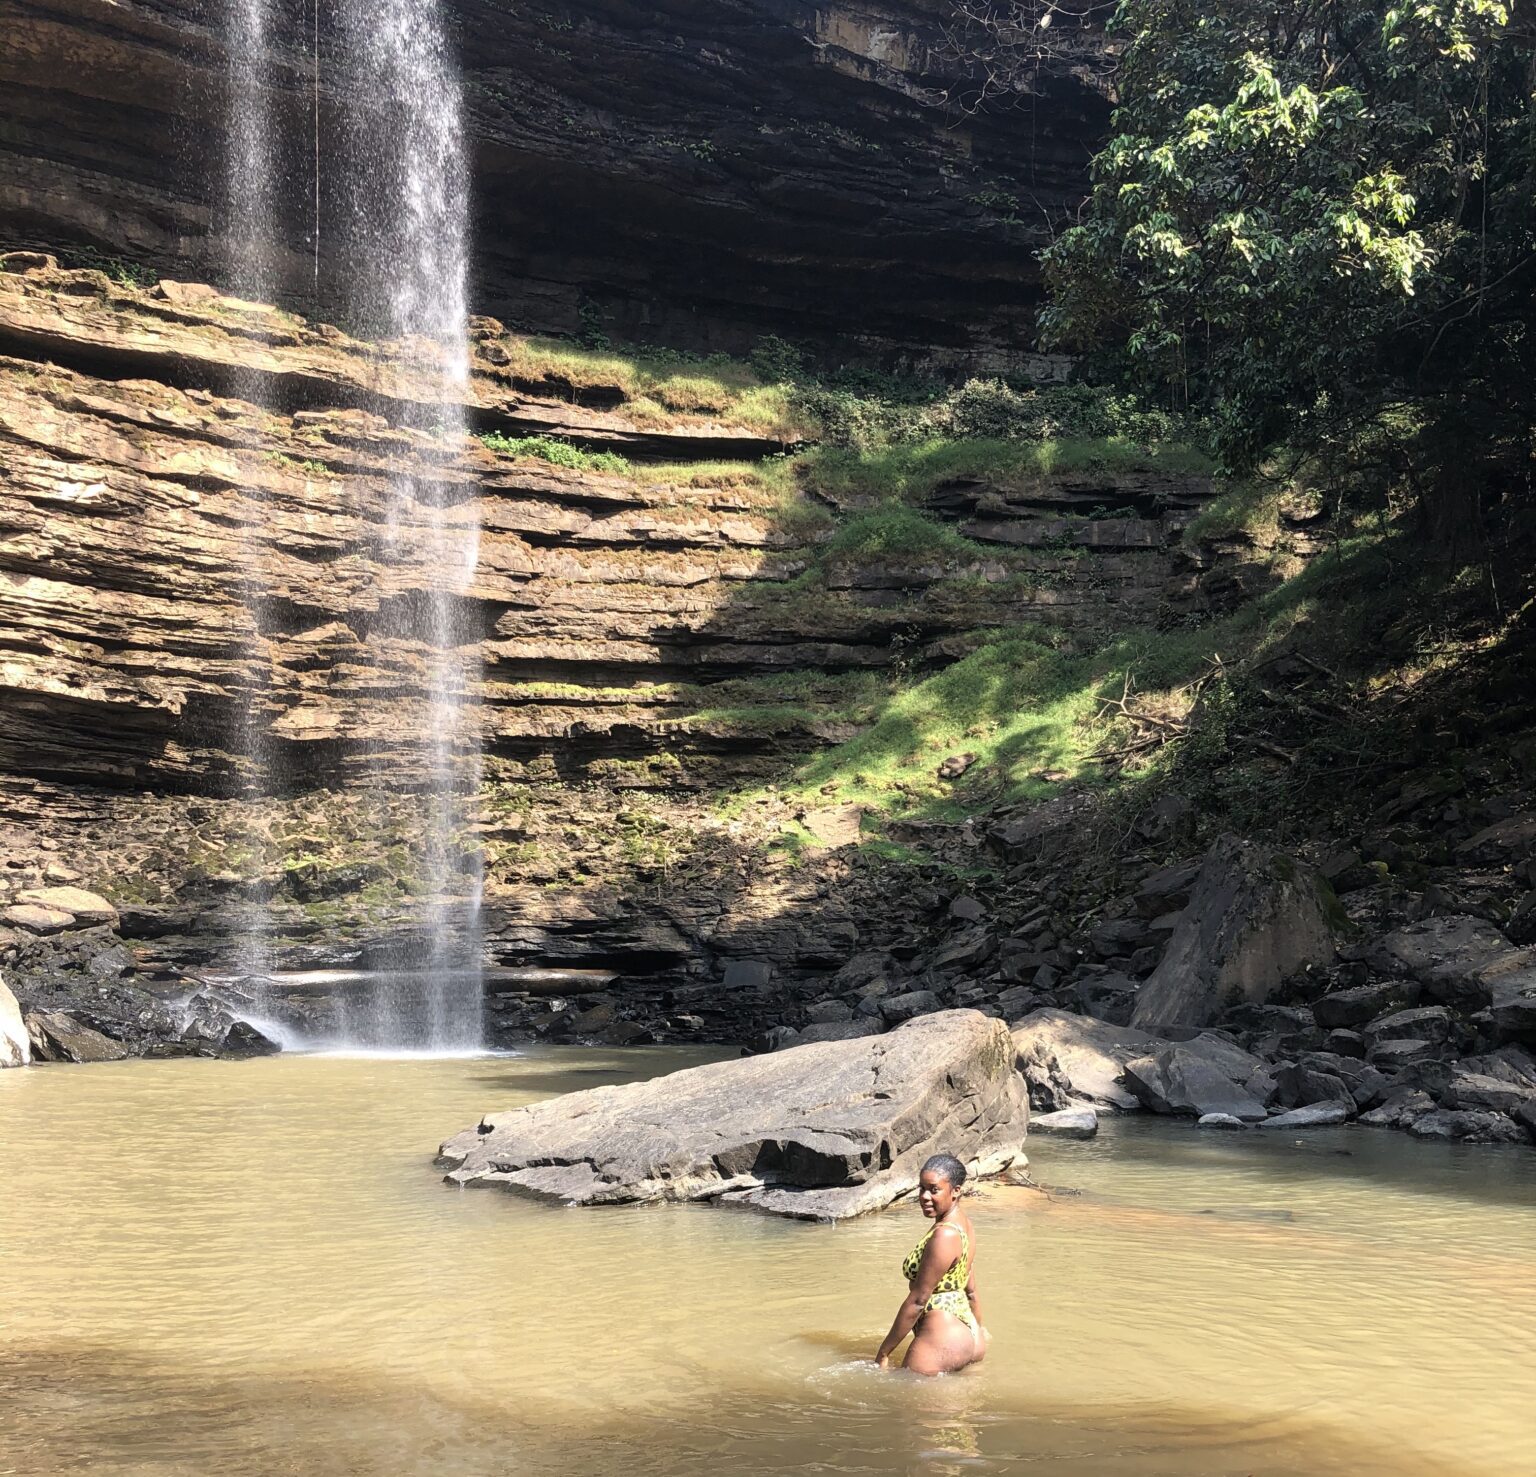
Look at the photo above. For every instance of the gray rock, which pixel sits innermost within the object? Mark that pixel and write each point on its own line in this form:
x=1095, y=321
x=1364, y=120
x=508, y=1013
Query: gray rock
x=1345, y=1043
x=15, y=1043
x=823, y=1012
x=1455, y=942
x=1315, y=1115
x=778, y=1038
x=1107, y=997
x=1515, y=1019
x=1069, y=1059
x=1254, y=918
x=1069, y=1123
x=1389, y=1056
x=898, y=1008
x=1400, y=1109
x=1166, y=890
x=57, y=1037
x=849, y=1030
x=747, y=974
x=1354, y=1007
x=1219, y=1120
x=820, y=1132
x=966, y=909
x=1472, y=1128
x=85, y=907
x=1428, y=1023
x=968, y=948
x=35, y=918
x=1181, y=1079
x=1479, y=1093
x=1299, y=1086
x=243, y=1039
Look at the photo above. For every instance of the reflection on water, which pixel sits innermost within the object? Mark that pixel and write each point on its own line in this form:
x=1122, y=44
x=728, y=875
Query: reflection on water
x=242, y=1268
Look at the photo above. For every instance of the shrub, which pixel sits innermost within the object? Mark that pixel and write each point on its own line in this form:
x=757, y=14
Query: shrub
x=558, y=453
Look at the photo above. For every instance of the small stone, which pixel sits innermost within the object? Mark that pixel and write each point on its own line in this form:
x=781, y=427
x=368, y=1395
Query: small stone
x=1219, y=1120
x=58, y=872
x=1069, y=1123
x=966, y=909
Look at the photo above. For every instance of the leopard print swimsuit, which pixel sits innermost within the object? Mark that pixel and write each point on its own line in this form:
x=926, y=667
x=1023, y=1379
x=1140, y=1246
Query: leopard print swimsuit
x=949, y=1294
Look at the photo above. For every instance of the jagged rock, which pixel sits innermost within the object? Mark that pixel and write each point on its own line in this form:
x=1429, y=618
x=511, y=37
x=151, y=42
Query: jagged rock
x=1108, y=997
x=819, y=1132
x=243, y=1039
x=1254, y=918
x=1428, y=1023
x=1300, y=1086
x=1344, y=1043
x=849, y=1030
x=1069, y=1123
x=1479, y=1093
x=1362, y=1003
x=1400, y=1109
x=1314, y=1115
x=1365, y=1083
x=57, y=1037
x=824, y=1012
x=1471, y=1128
x=15, y=1042
x=1391, y=1055
x=897, y=1008
x=1166, y=890
x=1069, y=1059
x=745, y=974
x=1219, y=1120
x=1515, y=1018
x=1443, y=946
x=966, y=909
x=85, y=907
x=1190, y=1077
x=1514, y=837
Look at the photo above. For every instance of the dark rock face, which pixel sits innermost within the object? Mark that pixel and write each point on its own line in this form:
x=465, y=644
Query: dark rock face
x=820, y=1132
x=1254, y=918
x=696, y=176
x=1199, y=1077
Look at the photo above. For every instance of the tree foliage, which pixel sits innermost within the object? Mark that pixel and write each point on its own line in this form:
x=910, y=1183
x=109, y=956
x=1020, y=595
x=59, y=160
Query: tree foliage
x=1316, y=220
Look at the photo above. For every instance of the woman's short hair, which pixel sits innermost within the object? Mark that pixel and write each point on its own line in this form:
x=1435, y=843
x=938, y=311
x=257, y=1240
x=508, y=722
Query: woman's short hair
x=948, y=1166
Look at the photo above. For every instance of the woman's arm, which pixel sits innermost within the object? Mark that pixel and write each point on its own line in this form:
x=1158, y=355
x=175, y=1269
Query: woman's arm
x=938, y=1256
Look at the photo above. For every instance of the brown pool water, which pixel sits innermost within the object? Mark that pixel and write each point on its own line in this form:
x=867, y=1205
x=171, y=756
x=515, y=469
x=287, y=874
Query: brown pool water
x=252, y=1268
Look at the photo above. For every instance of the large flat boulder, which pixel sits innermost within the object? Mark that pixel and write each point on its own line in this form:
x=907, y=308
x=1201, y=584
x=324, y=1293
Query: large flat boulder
x=85, y=907
x=1254, y=918
x=820, y=1132
x=15, y=1044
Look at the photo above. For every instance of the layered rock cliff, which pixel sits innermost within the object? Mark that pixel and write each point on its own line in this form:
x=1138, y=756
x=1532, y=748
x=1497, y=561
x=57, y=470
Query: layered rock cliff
x=692, y=175
x=191, y=580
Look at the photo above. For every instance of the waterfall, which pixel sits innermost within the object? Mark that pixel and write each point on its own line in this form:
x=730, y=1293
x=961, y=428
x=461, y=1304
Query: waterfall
x=396, y=189
x=246, y=243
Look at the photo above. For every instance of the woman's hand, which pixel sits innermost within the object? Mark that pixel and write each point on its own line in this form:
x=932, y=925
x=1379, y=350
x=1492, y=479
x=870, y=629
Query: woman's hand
x=882, y=1361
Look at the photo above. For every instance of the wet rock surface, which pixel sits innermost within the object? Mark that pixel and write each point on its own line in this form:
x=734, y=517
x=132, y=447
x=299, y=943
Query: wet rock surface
x=818, y=1132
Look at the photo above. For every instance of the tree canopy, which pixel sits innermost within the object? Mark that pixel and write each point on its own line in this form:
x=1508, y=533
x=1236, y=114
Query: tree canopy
x=1316, y=220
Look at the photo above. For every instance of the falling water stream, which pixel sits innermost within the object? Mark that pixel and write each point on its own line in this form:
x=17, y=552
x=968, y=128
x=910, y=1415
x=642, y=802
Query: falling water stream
x=394, y=171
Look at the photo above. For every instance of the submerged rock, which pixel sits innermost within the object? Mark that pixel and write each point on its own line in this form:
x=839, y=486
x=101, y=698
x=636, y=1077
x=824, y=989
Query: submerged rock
x=819, y=1132
x=1314, y=1115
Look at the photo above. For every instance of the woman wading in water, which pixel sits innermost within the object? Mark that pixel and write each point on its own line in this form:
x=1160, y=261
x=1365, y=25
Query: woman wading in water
x=941, y=1302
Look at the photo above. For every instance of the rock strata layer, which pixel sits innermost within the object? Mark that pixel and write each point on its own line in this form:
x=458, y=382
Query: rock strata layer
x=820, y=1132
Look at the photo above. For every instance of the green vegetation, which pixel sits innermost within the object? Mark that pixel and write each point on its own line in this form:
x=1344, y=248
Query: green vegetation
x=307, y=465
x=1315, y=225
x=558, y=453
